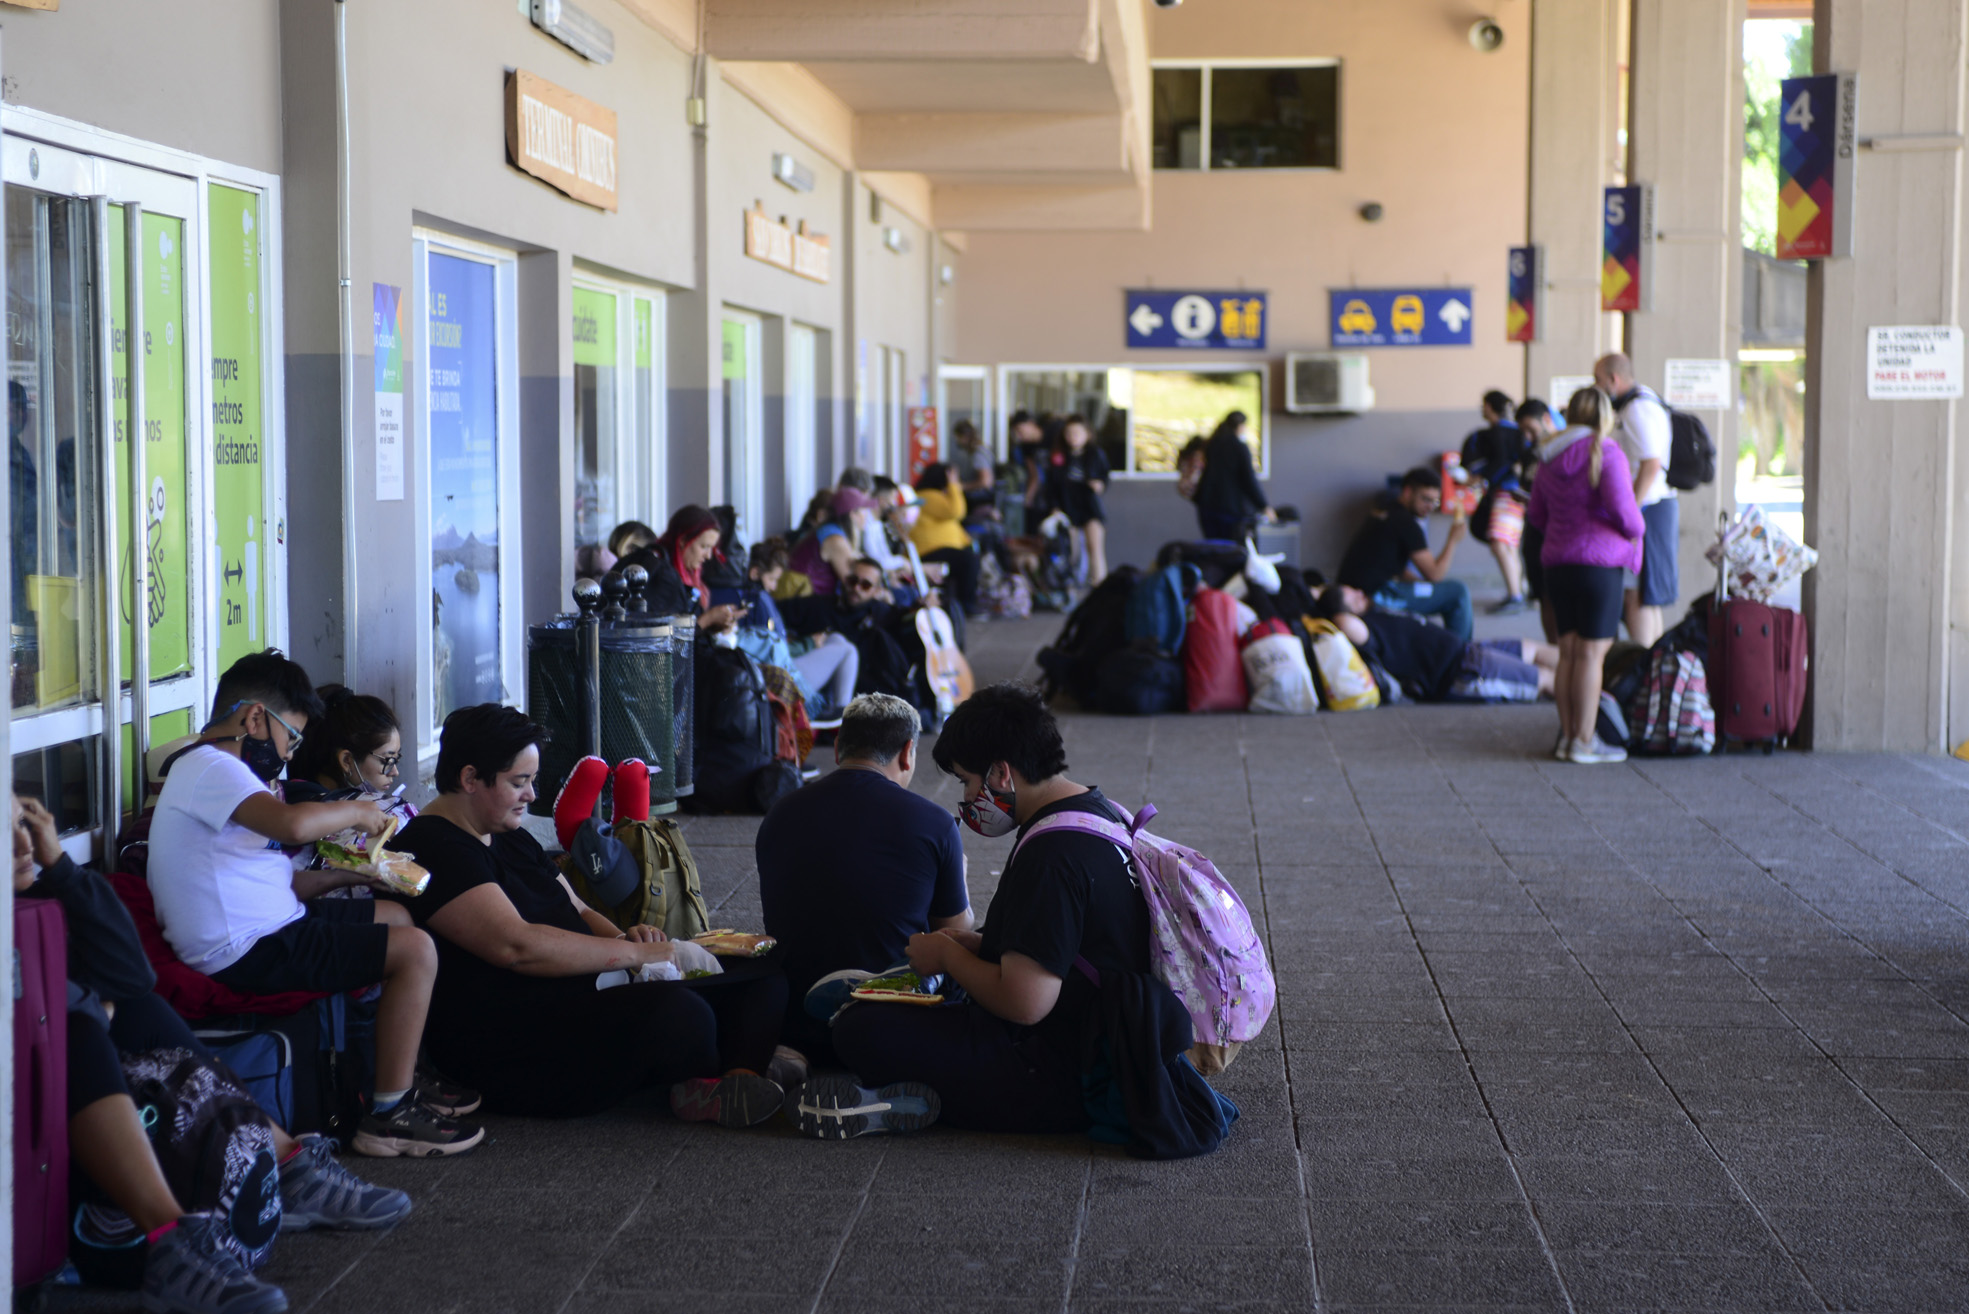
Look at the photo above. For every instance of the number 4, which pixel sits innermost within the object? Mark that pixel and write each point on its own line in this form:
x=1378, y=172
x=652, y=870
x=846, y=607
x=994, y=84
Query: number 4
x=1799, y=115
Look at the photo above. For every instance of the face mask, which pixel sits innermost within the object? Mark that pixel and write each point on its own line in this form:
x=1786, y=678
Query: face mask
x=261, y=757
x=990, y=813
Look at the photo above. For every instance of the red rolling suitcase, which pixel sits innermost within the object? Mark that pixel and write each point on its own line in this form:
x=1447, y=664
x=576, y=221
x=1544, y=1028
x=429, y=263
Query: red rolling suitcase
x=1759, y=658
x=40, y=1090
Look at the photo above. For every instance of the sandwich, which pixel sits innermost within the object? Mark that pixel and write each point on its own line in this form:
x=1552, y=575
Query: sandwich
x=735, y=944
x=352, y=850
x=897, y=988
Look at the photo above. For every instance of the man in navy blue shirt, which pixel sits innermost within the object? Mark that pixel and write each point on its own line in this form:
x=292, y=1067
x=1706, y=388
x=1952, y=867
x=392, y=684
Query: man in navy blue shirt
x=854, y=864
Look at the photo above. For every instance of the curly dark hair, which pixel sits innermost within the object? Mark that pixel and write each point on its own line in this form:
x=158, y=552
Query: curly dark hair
x=1006, y=723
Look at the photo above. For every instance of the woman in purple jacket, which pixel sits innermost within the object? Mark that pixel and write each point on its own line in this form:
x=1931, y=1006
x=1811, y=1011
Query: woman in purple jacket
x=1583, y=500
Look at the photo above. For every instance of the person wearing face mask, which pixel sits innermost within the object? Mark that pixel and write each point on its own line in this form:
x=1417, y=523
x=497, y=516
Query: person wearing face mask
x=230, y=903
x=354, y=750
x=1009, y=1059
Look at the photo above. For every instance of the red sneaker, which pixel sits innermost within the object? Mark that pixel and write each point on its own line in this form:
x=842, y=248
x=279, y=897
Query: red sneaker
x=576, y=801
x=631, y=791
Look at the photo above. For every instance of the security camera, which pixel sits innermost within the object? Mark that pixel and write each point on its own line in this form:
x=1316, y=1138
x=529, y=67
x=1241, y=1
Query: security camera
x=1486, y=35
x=1167, y=4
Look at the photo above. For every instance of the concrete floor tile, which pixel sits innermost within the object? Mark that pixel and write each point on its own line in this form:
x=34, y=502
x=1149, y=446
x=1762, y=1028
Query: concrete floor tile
x=1421, y=1225
x=870, y=1271
x=1411, y=1279
x=1485, y=1176
x=1627, y=1280
x=1705, y=1228
x=1220, y=1275
x=1689, y=1174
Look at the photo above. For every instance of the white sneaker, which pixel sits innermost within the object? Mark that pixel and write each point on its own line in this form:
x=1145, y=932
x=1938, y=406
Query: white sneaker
x=1590, y=751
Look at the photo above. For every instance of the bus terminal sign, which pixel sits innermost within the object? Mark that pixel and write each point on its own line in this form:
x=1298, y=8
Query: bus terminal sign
x=1817, y=138
x=1400, y=316
x=1220, y=321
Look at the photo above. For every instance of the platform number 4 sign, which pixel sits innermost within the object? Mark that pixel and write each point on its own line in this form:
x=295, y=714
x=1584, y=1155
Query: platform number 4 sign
x=1817, y=141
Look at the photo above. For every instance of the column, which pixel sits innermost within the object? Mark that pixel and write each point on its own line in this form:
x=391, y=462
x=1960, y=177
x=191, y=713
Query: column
x=1574, y=153
x=1882, y=484
x=1685, y=136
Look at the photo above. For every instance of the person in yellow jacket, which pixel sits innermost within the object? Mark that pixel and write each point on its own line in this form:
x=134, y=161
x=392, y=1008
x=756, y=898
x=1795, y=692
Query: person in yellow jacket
x=939, y=533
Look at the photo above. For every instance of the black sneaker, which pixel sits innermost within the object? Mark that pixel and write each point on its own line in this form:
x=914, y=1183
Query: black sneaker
x=413, y=1130
x=190, y=1271
x=737, y=1099
x=446, y=1098
x=840, y=1108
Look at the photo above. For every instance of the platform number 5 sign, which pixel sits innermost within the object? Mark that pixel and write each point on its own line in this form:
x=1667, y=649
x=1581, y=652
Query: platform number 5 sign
x=1817, y=139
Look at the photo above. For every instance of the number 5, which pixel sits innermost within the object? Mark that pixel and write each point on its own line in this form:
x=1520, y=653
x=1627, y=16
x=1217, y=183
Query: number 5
x=1617, y=208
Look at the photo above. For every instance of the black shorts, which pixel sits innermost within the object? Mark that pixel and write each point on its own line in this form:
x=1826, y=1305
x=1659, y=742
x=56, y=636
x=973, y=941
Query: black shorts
x=339, y=945
x=1585, y=599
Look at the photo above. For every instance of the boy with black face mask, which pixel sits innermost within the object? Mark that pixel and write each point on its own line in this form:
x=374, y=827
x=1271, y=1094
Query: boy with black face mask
x=229, y=900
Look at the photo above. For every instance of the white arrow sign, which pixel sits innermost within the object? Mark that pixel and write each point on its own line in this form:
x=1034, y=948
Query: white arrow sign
x=1144, y=321
x=1454, y=315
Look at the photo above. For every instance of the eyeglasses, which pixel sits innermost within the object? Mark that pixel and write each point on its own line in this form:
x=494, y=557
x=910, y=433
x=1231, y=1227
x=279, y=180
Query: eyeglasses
x=294, y=736
x=387, y=763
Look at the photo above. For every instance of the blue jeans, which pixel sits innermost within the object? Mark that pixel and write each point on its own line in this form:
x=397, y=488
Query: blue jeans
x=1449, y=598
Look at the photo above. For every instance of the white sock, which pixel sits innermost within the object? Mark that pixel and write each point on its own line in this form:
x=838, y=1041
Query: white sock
x=388, y=1099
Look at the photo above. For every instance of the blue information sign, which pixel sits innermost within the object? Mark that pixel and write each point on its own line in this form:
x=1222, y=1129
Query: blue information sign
x=1217, y=320
x=1401, y=316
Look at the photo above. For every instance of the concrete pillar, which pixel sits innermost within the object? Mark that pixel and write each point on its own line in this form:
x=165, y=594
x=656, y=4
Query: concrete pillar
x=1575, y=128
x=1883, y=486
x=1685, y=136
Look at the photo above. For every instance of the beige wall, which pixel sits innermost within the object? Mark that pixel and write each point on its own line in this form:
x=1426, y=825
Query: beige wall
x=1431, y=129
x=198, y=75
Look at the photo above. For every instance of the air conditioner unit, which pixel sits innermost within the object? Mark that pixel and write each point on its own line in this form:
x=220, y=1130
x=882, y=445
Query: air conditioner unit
x=1327, y=383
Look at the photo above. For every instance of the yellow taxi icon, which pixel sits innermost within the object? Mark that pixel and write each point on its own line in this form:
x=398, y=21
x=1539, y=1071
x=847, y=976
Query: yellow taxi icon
x=1355, y=317
x=1405, y=316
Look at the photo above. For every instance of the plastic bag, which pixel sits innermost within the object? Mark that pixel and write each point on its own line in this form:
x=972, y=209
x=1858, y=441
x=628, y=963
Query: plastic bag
x=1757, y=557
x=1275, y=668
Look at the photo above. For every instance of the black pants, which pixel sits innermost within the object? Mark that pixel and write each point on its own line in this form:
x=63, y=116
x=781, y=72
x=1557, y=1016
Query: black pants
x=95, y=1070
x=1228, y=529
x=629, y=1038
x=991, y=1075
x=963, y=580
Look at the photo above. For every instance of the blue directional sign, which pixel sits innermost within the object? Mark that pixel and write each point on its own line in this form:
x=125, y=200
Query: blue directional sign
x=1401, y=316
x=1217, y=321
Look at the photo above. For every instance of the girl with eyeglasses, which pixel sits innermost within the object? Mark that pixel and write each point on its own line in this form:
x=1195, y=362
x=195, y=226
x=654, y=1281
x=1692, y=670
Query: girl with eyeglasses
x=354, y=751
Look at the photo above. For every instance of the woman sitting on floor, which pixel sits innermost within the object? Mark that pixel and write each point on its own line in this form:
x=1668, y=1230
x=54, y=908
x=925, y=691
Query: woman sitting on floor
x=537, y=1002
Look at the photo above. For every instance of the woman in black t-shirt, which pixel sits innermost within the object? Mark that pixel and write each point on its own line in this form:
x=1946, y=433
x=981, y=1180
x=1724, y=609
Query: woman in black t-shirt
x=1076, y=476
x=1010, y=1058
x=536, y=1002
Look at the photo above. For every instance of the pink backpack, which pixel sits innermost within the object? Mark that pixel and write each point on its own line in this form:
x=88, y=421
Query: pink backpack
x=1202, y=944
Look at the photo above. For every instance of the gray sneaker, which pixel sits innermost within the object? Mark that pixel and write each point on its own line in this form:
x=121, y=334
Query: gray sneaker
x=415, y=1130
x=840, y=1108
x=190, y=1271
x=317, y=1191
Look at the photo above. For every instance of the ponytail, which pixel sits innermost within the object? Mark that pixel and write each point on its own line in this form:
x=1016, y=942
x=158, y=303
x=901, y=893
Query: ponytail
x=1594, y=460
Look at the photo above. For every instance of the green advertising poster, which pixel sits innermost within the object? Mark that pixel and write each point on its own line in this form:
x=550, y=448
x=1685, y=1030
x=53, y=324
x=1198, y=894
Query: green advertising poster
x=237, y=474
x=167, y=594
x=644, y=335
x=734, y=350
x=594, y=328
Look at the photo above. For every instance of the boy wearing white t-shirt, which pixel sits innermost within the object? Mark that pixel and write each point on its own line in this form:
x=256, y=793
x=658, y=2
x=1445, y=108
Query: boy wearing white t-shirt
x=1646, y=436
x=227, y=901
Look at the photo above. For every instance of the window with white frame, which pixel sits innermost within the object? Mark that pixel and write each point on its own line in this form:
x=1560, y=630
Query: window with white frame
x=1143, y=417
x=1257, y=114
x=467, y=411
x=619, y=466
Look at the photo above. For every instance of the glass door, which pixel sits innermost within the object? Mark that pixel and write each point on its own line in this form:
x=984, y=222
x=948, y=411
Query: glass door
x=98, y=321
x=964, y=393
x=744, y=404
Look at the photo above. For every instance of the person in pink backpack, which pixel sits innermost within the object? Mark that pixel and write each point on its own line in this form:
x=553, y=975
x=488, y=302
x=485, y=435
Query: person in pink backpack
x=1067, y=912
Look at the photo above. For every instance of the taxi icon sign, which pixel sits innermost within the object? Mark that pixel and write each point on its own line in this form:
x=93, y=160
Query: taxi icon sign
x=1406, y=316
x=1355, y=317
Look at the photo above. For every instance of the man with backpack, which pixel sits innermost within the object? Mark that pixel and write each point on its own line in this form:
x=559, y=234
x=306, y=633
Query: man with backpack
x=1064, y=960
x=1646, y=438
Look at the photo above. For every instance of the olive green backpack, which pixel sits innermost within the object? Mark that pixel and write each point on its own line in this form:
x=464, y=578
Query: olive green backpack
x=669, y=897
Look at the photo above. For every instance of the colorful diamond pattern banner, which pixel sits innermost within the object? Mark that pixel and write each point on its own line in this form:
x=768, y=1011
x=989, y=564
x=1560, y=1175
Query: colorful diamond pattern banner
x=1807, y=153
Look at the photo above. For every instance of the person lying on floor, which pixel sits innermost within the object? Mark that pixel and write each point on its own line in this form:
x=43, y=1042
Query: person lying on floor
x=542, y=1003
x=853, y=865
x=130, y=1218
x=1431, y=664
x=1010, y=1058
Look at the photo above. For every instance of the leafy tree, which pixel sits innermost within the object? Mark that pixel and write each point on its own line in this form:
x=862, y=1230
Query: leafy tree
x=1773, y=50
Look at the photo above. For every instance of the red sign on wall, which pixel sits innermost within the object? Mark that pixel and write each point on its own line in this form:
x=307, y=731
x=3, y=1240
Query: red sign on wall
x=925, y=447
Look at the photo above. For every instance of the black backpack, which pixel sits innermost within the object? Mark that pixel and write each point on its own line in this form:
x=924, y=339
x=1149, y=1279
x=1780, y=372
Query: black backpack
x=1095, y=628
x=1139, y=680
x=1691, y=451
x=212, y=1142
x=736, y=738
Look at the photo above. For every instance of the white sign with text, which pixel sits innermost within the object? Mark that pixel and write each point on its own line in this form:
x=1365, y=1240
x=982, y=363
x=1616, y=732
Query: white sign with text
x=1914, y=362
x=1698, y=385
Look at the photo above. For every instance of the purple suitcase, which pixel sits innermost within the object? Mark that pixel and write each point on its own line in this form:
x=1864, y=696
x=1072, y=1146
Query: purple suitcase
x=40, y=1090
